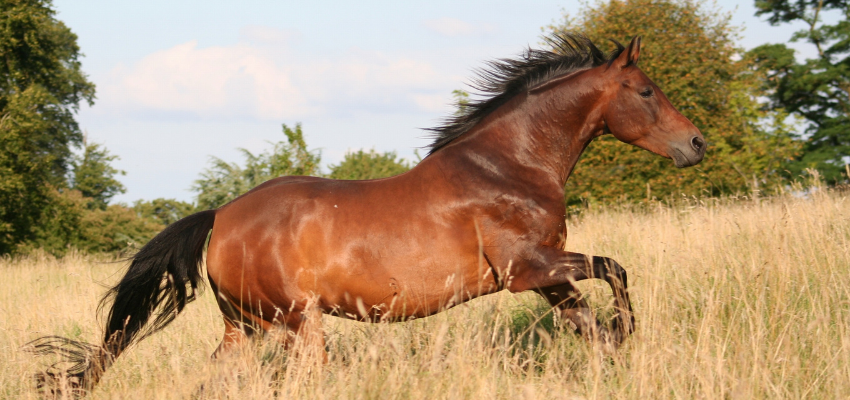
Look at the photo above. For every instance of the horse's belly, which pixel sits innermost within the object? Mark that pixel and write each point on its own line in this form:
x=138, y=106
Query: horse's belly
x=405, y=286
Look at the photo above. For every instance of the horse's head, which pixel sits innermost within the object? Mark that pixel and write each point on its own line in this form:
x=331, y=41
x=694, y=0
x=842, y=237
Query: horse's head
x=639, y=113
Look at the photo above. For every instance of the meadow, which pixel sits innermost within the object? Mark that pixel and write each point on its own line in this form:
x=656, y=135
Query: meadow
x=735, y=298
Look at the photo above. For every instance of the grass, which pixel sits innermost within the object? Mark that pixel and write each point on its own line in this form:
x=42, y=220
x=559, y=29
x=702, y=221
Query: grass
x=733, y=299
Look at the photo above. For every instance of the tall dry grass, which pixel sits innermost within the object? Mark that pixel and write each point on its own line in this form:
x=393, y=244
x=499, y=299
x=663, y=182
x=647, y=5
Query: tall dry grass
x=733, y=299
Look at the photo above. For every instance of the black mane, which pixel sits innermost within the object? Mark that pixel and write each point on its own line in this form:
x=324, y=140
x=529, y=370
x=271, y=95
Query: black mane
x=505, y=78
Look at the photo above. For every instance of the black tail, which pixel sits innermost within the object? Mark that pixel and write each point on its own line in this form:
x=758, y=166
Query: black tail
x=163, y=277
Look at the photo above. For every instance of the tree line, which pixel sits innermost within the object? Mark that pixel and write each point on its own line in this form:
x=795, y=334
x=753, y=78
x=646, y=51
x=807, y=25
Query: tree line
x=768, y=118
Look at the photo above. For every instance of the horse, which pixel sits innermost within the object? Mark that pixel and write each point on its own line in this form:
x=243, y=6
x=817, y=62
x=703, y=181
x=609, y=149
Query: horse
x=482, y=212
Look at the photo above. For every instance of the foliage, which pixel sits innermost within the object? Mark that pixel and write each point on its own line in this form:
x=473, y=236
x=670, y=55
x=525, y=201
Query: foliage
x=41, y=86
x=80, y=218
x=163, y=211
x=688, y=51
x=58, y=228
x=368, y=165
x=69, y=222
x=222, y=181
x=94, y=177
x=115, y=229
x=461, y=99
x=817, y=89
x=49, y=198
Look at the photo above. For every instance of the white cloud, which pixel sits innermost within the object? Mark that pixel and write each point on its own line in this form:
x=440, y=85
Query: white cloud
x=454, y=27
x=232, y=81
x=251, y=80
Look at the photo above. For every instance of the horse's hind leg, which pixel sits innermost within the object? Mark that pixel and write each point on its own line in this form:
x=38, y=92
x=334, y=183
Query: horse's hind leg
x=307, y=336
x=234, y=340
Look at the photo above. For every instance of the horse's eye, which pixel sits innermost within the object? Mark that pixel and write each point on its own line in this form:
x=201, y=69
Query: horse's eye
x=646, y=93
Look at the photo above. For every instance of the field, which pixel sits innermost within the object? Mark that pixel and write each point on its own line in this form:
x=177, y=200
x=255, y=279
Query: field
x=734, y=298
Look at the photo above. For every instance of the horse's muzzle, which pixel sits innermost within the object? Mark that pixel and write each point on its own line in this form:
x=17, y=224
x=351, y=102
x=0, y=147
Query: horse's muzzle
x=690, y=154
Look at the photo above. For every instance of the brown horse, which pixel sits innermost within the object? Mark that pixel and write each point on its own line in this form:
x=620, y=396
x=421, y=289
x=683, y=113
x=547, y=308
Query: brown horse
x=484, y=211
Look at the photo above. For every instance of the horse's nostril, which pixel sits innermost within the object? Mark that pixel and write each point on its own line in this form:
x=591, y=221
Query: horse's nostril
x=697, y=143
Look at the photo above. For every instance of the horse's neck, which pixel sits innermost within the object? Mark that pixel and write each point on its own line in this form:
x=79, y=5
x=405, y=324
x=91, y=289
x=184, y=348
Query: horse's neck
x=542, y=133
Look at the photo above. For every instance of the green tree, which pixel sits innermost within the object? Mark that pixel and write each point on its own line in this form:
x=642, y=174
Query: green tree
x=817, y=89
x=69, y=222
x=689, y=52
x=79, y=216
x=94, y=177
x=58, y=228
x=368, y=165
x=223, y=181
x=41, y=87
x=163, y=211
x=117, y=228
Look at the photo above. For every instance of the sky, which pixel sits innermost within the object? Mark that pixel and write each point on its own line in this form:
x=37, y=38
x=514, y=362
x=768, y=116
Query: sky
x=179, y=82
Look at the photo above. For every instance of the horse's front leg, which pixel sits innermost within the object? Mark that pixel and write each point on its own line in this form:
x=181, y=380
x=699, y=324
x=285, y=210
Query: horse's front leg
x=568, y=301
x=552, y=272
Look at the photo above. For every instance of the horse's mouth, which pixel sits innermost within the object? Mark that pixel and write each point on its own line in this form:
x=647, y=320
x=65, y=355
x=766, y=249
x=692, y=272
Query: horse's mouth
x=682, y=160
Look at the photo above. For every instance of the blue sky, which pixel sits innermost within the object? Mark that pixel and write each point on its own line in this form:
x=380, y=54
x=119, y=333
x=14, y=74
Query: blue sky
x=178, y=82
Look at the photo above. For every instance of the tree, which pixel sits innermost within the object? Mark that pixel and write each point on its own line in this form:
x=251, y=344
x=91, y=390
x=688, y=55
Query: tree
x=41, y=87
x=117, y=228
x=368, y=165
x=94, y=177
x=223, y=181
x=163, y=211
x=817, y=89
x=689, y=52
x=69, y=222
x=80, y=217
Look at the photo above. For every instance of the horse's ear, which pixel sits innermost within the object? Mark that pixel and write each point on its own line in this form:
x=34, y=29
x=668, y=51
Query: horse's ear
x=634, y=50
x=630, y=55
